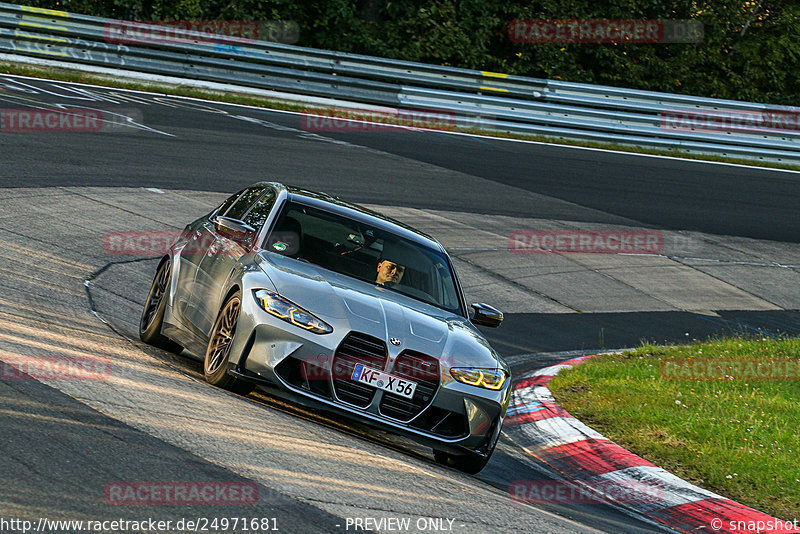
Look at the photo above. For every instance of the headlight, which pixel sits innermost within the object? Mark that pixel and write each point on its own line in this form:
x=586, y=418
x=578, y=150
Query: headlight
x=278, y=306
x=483, y=378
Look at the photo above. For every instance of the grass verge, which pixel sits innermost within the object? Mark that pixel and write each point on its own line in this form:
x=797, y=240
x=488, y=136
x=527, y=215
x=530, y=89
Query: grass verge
x=71, y=75
x=727, y=429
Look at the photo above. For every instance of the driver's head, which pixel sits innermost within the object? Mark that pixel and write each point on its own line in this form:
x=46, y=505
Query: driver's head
x=389, y=271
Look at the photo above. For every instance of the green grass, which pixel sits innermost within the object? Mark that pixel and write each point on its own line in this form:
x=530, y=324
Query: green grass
x=737, y=437
x=287, y=105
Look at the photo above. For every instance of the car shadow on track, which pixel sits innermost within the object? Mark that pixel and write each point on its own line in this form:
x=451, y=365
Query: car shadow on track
x=121, y=309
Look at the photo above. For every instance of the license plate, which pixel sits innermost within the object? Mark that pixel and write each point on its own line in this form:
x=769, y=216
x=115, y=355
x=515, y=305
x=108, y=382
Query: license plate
x=385, y=381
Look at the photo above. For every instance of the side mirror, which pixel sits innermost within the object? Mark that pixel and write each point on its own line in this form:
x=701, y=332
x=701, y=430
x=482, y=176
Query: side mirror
x=486, y=315
x=235, y=230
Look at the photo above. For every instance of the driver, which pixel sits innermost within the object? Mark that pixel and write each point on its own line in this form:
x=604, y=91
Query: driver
x=389, y=271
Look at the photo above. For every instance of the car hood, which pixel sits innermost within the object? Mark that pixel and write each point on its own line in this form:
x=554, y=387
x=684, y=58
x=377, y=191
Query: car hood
x=353, y=305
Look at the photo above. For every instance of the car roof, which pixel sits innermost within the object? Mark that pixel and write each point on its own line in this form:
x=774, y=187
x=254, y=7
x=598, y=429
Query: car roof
x=355, y=211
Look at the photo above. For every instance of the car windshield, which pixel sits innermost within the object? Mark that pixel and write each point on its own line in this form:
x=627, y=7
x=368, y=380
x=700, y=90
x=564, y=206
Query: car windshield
x=353, y=248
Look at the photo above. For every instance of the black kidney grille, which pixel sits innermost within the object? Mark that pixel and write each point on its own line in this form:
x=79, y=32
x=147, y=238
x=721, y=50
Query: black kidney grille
x=357, y=348
x=420, y=368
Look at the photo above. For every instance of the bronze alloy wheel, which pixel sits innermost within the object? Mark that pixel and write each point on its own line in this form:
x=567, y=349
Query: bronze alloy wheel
x=215, y=365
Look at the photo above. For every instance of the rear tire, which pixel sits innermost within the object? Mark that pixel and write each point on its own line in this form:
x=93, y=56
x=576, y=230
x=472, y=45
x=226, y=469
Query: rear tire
x=215, y=365
x=153, y=314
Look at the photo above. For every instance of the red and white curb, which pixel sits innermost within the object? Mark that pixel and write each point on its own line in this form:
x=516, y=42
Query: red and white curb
x=548, y=432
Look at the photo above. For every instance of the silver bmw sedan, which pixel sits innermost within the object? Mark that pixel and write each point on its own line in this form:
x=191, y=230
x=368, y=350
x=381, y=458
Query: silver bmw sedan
x=336, y=307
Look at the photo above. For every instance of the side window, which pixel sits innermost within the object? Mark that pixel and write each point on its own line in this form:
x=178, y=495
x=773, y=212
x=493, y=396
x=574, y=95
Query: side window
x=229, y=202
x=258, y=214
x=245, y=200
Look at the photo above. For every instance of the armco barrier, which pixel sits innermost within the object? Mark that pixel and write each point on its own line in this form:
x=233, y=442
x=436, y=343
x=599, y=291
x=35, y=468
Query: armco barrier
x=478, y=99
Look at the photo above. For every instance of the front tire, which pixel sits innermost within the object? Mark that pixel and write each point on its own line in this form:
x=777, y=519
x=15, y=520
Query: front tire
x=215, y=365
x=153, y=314
x=469, y=463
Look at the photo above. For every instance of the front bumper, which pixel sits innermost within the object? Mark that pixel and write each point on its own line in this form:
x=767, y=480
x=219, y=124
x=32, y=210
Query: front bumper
x=448, y=415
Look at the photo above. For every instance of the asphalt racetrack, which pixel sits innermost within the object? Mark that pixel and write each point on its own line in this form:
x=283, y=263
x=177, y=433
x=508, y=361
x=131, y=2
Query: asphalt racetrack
x=729, y=263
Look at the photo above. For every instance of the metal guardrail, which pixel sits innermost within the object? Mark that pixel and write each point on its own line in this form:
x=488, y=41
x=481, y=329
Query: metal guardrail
x=476, y=99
